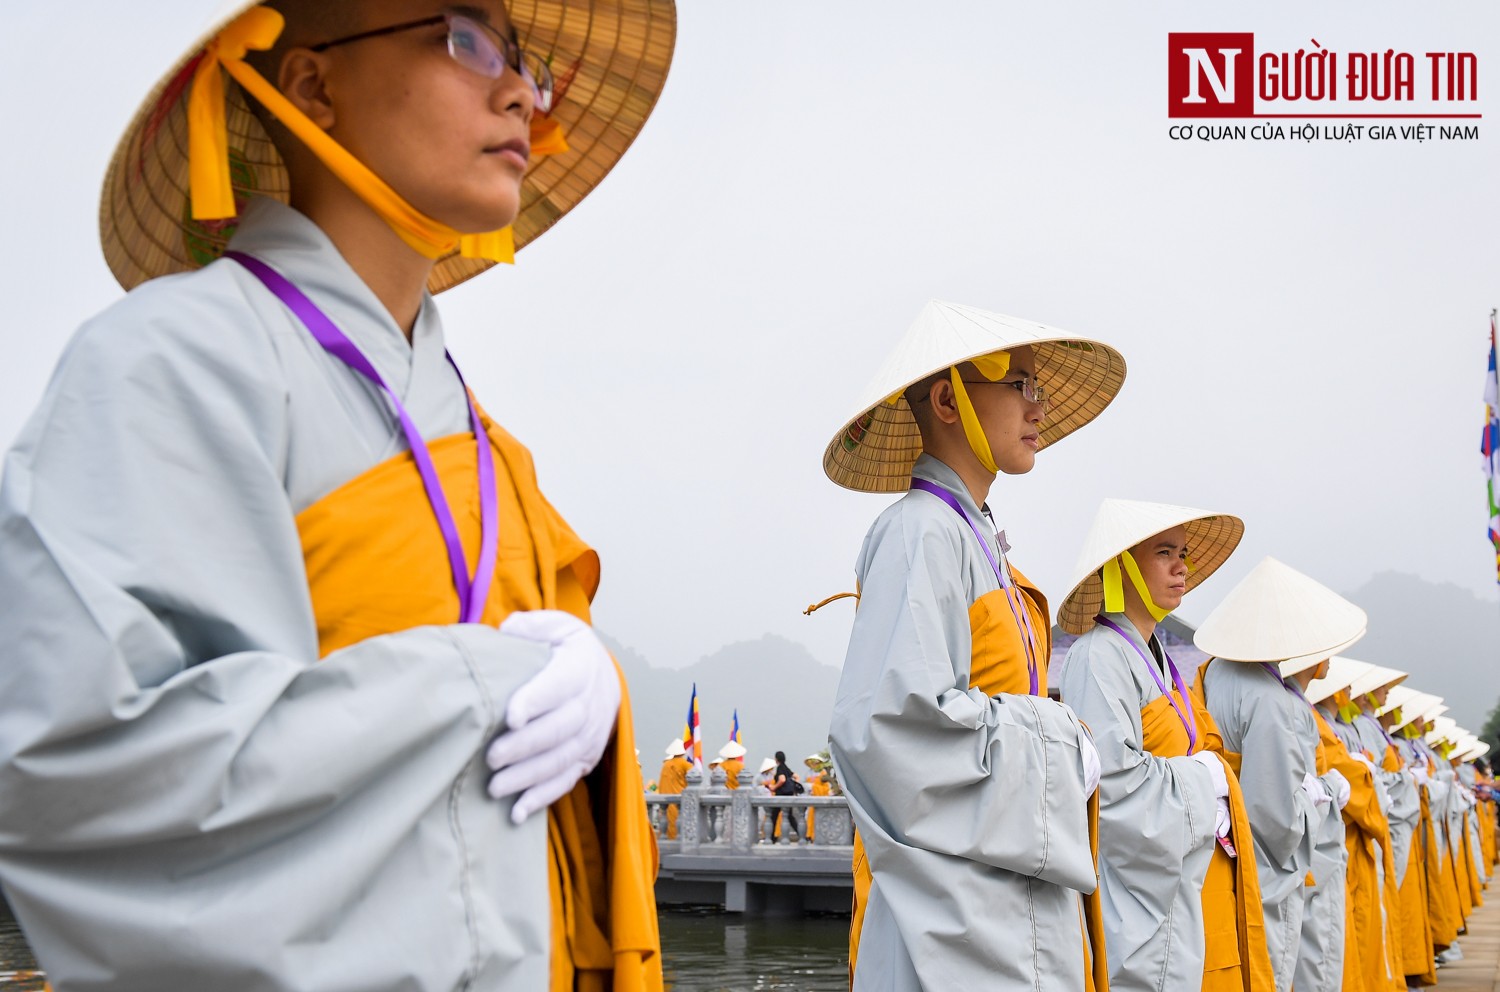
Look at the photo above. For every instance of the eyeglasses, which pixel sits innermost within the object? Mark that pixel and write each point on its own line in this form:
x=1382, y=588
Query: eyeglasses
x=1026, y=386
x=476, y=46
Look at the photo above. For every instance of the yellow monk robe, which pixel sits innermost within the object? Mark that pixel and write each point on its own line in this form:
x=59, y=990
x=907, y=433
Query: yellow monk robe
x=1235, y=957
x=1418, y=943
x=1468, y=858
x=997, y=664
x=376, y=564
x=732, y=769
x=673, y=781
x=1368, y=953
x=1442, y=895
x=1232, y=878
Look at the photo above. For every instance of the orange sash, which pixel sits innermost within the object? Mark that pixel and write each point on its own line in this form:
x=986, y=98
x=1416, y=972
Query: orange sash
x=1236, y=956
x=376, y=564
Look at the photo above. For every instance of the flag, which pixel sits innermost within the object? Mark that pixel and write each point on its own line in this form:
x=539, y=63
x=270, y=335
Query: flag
x=692, y=734
x=1489, y=445
x=734, y=734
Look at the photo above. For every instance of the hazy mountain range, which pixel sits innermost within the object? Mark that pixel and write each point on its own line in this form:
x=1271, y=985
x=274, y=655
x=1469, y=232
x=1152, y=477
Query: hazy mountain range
x=1448, y=638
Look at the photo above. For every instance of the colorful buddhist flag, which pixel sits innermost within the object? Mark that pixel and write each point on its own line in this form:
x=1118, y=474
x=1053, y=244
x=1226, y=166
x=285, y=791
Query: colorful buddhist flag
x=734, y=734
x=1489, y=445
x=692, y=733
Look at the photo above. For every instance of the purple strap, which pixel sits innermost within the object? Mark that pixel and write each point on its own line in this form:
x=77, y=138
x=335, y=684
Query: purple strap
x=472, y=592
x=1019, y=611
x=1189, y=722
x=1289, y=684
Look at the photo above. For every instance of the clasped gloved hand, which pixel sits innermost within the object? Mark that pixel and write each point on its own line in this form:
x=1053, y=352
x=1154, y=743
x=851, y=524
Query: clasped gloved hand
x=1315, y=790
x=1340, y=787
x=1091, y=770
x=1222, y=819
x=559, y=722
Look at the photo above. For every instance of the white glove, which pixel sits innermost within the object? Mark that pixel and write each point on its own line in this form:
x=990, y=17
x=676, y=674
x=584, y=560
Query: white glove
x=1315, y=790
x=1215, y=768
x=1421, y=774
x=1222, y=820
x=1340, y=788
x=559, y=722
x=1091, y=769
x=1363, y=759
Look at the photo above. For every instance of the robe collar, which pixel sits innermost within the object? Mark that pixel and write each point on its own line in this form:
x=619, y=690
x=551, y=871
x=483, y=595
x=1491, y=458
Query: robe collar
x=1152, y=646
x=929, y=468
x=288, y=241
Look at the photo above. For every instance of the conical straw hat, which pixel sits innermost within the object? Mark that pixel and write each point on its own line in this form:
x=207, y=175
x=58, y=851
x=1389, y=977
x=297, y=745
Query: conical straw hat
x=1301, y=663
x=874, y=451
x=1376, y=677
x=675, y=749
x=1416, y=709
x=1276, y=613
x=732, y=750
x=609, y=59
x=1400, y=696
x=1341, y=672
x=767, y=765
x=1120, y=525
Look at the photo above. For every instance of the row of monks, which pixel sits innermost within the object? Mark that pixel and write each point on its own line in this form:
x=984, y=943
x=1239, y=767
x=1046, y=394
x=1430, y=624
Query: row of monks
x=1354, y=826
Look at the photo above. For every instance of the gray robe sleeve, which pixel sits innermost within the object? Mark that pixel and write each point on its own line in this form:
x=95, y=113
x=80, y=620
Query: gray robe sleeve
x=929, y=762
x=1160, y=809
x=168, y=731
x=1274, y=747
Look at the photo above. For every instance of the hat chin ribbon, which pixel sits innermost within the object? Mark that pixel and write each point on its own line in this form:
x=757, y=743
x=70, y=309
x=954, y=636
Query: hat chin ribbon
x=208, y=147
x=992, y=367
x=1114, y=589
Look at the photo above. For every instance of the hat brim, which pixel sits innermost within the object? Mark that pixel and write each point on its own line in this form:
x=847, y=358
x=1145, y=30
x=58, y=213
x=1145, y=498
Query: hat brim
x=1211, y=540
x=610, y=60
x=1301, y=663
x=875, y=450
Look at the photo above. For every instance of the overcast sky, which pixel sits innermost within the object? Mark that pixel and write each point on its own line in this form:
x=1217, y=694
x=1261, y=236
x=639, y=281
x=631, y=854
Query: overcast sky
x=1305, y=323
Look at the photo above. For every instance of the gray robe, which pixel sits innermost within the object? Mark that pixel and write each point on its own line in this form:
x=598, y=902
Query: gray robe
x=1401, y=802
x=189, y=799
x=1320, y=952
x=971, y=808
x=1156, y=819
x=1274, y=733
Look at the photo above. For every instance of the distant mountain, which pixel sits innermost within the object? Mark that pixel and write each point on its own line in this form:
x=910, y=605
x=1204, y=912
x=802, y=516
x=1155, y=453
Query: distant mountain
x=1448, y=638
x=783, y=693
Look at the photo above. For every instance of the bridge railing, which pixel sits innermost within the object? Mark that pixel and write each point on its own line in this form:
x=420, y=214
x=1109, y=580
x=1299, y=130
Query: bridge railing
x=714, y=818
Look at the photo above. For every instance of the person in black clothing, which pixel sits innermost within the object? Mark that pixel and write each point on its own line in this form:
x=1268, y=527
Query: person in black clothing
x=784, y=783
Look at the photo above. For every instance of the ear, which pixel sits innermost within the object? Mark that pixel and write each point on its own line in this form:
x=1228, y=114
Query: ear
x=944, y=401
x=304, y=81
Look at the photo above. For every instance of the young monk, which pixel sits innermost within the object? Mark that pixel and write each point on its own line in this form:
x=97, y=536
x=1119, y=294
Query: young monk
x=673, y=780
x=969, y=788
x=1276, y=614
x=1180, y=910
x=258, y=727
x=1416, y=942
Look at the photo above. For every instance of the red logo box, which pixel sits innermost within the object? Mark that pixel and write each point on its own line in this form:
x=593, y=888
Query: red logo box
x=1211, y=75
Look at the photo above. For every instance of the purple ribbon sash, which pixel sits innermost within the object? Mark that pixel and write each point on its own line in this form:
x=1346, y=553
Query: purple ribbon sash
x=1290, y=685
x=1012, y=594
x=472, y=591
x=1189, y=722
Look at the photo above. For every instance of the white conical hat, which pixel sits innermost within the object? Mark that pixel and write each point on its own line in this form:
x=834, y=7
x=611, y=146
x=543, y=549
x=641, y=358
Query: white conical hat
x=675, y=749
x=767, y=765
x=1376, y=677
x=1301, y=663
x=1479, y=750
x=1400, y=696
x=1120, y=525
x=1276, y=613
x=1341, y=672
x=609, y=59
x=734, y=749
x=1415, y=709
x=874, y=451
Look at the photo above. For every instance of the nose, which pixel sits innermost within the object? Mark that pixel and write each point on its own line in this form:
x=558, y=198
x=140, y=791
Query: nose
x=513, y=93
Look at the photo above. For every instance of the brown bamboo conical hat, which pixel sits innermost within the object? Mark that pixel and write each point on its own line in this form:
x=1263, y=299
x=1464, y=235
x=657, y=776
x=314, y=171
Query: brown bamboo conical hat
x=610, y=61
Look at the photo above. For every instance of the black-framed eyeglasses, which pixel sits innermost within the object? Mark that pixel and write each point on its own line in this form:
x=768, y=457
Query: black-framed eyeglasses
x=476, y=46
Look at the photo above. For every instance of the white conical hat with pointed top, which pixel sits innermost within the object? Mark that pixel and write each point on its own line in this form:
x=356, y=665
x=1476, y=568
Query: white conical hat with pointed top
x=1278, y=614
x=675, y=749
x=1376, y=677
x=1120, y=525
x=1342, y=671
x=732, y=750
x=1417, y=708
x=875, y=449
x=1400, y=696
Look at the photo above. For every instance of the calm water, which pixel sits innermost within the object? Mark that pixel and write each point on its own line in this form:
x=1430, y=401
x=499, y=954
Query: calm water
x=703, y=951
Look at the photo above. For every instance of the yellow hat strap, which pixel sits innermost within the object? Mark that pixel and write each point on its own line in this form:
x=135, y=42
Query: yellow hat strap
x=1114, y=589
x=208, y=147
x=978, y=443
x=1348, y=711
